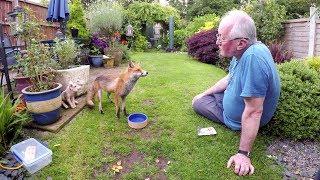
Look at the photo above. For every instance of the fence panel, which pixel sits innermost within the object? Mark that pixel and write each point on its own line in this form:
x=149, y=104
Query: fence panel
x=297, y=37
x=40, y=12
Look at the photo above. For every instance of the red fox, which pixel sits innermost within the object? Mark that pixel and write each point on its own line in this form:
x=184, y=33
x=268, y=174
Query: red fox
x=120, y=86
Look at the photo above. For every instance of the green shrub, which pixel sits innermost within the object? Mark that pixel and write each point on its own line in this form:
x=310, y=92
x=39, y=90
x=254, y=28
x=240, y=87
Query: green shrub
x=77, y=19
x=314, y=63
x=140, y=43
x=200, y=22
x=10, y=121
x=67, y=51
x=268, y=17
x=297, y=114
x=180, y=38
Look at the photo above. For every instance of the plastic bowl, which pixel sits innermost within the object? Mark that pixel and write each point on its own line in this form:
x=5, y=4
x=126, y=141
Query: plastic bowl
x=137, y=120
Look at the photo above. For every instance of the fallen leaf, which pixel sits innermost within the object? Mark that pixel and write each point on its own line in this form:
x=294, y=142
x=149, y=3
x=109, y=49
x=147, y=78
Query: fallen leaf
x=119, y=163
x=56, y=145
x=157, y=161
x=120, y=167
x=168, y=162
x=114, y=167
x=117, y=170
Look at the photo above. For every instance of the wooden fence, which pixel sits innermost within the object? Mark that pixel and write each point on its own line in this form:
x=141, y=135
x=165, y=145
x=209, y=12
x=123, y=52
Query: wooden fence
x=6, y=6
x=302, y=36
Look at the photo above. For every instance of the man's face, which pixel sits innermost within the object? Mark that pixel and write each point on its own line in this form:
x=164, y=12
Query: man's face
x=226, y=45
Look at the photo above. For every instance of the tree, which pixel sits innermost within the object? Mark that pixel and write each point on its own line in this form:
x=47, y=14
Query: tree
x=298, y=8
x=77, y=19
x=218, y=7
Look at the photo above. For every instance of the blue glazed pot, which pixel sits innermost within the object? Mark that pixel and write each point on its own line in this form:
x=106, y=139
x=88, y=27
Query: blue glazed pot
x=44, y=106
x=96, y=60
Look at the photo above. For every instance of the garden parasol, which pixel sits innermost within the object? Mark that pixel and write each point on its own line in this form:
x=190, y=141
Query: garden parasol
x=58, y=12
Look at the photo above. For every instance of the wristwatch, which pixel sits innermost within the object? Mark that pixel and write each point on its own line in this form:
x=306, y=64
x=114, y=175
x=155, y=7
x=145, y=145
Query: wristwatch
x=246, y=153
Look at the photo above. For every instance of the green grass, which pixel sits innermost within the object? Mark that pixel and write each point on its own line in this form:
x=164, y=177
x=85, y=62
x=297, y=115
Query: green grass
x=88, y=146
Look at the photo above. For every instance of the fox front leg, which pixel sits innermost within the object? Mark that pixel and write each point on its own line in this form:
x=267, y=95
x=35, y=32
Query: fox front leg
x=123, y=106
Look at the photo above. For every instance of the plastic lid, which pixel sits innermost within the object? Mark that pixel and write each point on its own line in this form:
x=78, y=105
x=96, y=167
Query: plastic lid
x=30, y=151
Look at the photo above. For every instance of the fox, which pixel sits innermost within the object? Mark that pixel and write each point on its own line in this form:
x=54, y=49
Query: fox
x=120, y=86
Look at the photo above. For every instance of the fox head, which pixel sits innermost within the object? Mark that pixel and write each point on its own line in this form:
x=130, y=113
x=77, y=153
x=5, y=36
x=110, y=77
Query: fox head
x=136, y=70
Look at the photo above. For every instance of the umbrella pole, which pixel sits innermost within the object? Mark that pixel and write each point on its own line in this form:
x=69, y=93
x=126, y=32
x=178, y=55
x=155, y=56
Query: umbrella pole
x=63, y=25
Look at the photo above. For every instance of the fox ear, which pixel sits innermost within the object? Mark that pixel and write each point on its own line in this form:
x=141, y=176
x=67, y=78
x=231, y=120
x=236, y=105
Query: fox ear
x=131, y=64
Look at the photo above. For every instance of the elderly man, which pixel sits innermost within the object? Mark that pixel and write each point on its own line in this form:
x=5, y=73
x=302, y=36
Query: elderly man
x=247, y=97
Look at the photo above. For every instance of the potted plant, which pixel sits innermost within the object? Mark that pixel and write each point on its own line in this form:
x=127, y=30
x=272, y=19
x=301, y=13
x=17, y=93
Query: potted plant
x=43, y=99
x=25, y=30
x=67, y=52
x=11, y=121
x=96, y=56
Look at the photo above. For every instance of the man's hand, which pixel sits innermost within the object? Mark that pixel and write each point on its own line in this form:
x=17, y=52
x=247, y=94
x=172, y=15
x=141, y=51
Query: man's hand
x=242, y=164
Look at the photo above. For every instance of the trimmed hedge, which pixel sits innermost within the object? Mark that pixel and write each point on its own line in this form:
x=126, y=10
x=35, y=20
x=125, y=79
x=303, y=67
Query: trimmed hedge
x=298, y=111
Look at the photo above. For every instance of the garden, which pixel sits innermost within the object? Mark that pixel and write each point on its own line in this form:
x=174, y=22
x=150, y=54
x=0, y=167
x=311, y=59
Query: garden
x=106, y=38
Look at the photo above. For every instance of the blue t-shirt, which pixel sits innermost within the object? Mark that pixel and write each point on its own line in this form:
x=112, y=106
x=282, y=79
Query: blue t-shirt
x=253, y=75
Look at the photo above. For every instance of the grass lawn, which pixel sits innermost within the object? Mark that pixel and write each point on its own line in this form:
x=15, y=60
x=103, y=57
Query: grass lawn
x=88, y=146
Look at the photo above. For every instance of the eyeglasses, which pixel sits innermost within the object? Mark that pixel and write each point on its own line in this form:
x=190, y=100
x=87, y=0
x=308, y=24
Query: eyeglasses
x=224, y=39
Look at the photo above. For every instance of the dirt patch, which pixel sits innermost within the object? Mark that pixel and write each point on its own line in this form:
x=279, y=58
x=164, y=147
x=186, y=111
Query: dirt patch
x=148, y=102
x=162, y=164
x=128, y=162
x=301, y=159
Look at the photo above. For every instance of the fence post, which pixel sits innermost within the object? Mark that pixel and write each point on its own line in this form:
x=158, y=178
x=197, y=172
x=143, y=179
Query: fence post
x=312, y=30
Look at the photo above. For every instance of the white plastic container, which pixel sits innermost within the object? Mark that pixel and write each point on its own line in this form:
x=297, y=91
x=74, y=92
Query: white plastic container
x=32, y=154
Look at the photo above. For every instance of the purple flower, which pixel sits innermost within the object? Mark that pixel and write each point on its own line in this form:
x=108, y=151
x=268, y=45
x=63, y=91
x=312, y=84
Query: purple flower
x=99, y=42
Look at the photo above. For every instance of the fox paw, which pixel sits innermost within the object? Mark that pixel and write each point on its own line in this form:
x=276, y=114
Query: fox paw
x=101, y=112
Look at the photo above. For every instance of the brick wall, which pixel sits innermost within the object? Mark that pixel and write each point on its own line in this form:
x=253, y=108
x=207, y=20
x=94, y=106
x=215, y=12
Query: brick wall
x=40, y=11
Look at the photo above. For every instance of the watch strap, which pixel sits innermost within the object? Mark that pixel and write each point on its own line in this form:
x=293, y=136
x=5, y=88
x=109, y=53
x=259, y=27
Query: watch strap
x=246, y=153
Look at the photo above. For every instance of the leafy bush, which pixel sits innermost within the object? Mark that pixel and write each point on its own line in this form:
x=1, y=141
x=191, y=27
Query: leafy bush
x=11, y=121
x=140, y=43
x=202, y=46
x=279, y=53
x=77, y=19
x=268, y=17
x=202, y=23
x=104, y=17
x=223, y=63
x=126, y=53
x=297, y=114
x=180, y=38
x=314, y=63
x=67, y=51
x=199, y=23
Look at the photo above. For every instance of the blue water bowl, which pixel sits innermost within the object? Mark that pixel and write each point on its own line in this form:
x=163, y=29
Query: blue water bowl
x=137, y=120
